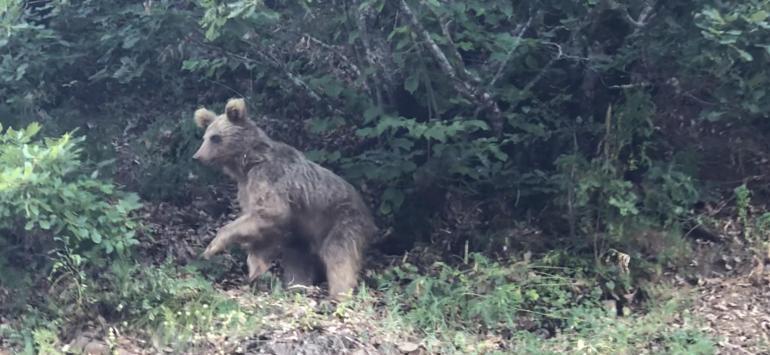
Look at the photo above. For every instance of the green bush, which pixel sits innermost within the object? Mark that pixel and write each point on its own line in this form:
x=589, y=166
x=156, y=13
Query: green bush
x=397, y=96
x=582, y=109
x=543, y=308
x=167, y=171
x=478, y=296
x=52, y=203
x=140, y=293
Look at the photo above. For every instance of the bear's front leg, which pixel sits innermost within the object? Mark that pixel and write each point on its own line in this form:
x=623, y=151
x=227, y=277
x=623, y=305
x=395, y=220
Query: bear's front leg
x=263, y=220
x=250, y=228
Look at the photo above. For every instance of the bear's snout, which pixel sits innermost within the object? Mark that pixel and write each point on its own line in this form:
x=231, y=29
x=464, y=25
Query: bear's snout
x=198, y=155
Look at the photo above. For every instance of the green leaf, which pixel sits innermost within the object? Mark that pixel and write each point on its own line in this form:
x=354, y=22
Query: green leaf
x=436, y=132
x=411, y=83
x=744, y=55
x=388, y=122
x=714, y=15
x=96, y=237
x=759, y=16
x=434, y=3
x=44, y=224
x=371, y=113
x=21, y=70
x=465, y=45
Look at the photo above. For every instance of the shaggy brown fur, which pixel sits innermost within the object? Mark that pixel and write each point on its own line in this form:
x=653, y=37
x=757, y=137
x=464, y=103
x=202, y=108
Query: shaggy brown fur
x=287, y=201
x=300, y=265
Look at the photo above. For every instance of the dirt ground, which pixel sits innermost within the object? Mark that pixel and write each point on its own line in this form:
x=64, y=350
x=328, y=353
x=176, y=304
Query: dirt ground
x=732, y=298
x=738, y=313
x=731, y=286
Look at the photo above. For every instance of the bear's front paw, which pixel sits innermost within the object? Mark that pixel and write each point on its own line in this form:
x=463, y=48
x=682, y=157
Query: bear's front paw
x=210, y=251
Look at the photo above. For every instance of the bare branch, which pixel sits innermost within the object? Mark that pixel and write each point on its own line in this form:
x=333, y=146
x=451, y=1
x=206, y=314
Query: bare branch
x=547, y=66
x=467, y=75
x=464, y=87
x=438, y=54
x=361, y=22
x=629, y=86
x=644, y=16
x=560, y=52
x=520, y=29
x=266, y=58
x=336, y=49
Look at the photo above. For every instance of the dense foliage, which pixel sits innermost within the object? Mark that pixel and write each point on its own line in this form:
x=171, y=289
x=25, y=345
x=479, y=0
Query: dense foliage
x=56, y=216
x=603, y=123
x=576, y=107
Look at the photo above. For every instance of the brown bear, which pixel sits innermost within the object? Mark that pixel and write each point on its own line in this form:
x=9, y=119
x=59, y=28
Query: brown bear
x=300, y=265
x=286, y=201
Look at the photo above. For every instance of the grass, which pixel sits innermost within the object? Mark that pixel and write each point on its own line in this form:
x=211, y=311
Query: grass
x=479, y=307
x=530, y=308
x=667, y=328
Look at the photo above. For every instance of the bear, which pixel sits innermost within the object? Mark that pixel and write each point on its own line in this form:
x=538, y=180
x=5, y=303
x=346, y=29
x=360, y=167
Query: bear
x=300, y=266
x=288, y=203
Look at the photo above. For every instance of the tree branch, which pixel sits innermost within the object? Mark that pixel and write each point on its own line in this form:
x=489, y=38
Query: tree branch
x=361, y=21
x=644, y=15
x=499, y=73
x=438, y=54
x=464, y=87
x=266, y=58
x=467, y=75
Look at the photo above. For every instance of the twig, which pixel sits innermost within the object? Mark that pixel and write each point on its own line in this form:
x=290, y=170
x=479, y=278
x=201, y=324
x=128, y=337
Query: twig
x=559, y=55
x=630, y=86
x=456, y=54
x=644, y=15
x=521, y=29
x=539, y=75
x=560, y=52
x=266, y=58
x=336, y=49
x=226, y=87
x=354, y=341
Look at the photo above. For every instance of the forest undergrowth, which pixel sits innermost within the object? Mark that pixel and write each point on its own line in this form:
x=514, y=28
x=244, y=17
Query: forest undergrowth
x=548, y=176
x=163, y=297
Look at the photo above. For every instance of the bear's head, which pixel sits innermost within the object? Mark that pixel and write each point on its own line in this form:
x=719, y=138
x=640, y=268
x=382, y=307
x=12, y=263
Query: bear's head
x=231, y=138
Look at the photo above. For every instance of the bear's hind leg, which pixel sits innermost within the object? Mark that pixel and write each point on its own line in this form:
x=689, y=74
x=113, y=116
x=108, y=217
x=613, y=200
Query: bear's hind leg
x=341, y=255
x=300, y=267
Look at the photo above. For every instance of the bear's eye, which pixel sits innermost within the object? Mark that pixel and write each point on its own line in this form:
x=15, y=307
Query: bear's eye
x=216, y=139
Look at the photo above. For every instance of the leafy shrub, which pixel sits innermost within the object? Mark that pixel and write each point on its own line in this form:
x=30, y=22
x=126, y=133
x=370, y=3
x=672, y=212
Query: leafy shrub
x=481, y=295
x=135, y=292
x=487, y=109
x=733, y=49
x=558, y=136
x=166, y=170
x=543, y=308
x=590, y=330
x=177, y=305
x=568, y=107
x=51, y=203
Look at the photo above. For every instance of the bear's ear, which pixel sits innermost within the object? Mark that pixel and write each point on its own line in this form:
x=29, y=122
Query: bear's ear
x=204, y=117
x=235, y=110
